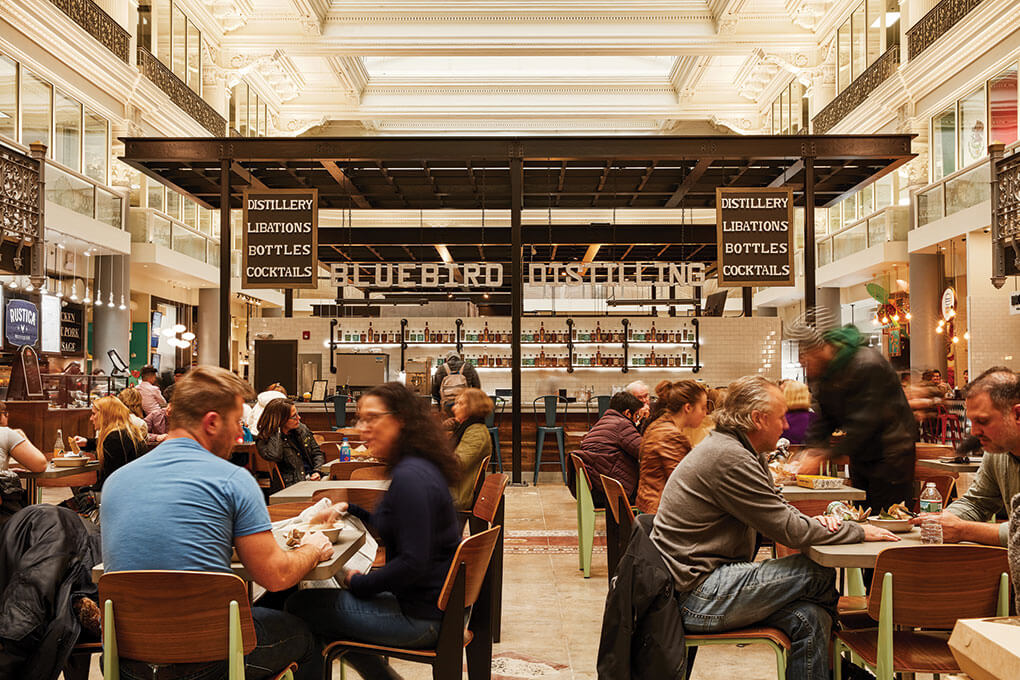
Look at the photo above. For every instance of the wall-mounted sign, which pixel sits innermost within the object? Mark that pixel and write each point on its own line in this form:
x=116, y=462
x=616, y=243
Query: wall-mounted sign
x=280, y=239
x=49, y=308
x=948, y=304
x=755, y=237
x=490, y=274
x=21, y=323
x=71, y=323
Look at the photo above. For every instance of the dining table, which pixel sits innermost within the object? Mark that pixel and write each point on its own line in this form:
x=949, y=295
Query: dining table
x=303, y=491
x=51, y=472
x=947, y=464
x=862, y=555
x=793, y=492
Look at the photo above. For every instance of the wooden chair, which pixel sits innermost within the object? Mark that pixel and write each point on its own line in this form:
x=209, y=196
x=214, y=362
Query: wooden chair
x=585, y=515
x=266, y=473
x=329, y=435
x=929, y=587
x=479, y=479
x=464, y=587
x=364, y=498
x=377, y=472
x=280, y=511
x=342, y=470
x=330, y=450
x=164, y=617
x=619, y=521
x=488, y=512
x=944, y=484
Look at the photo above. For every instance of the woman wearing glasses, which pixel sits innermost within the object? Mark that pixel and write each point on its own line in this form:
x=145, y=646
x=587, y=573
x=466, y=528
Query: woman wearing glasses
x=283, y=439
x=395, y=604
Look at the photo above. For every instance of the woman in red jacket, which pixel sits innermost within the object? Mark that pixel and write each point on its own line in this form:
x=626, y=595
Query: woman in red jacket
x=611, y=447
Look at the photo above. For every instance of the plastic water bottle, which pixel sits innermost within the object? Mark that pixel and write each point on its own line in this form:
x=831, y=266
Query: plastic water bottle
x=58, y=445
x=246, y=434
x=931, y=502
x=345, y=450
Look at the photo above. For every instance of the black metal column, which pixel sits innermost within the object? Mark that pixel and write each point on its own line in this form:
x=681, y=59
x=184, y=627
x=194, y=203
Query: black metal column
x=288, y=302
x=226, y=249
x=746, y=290
x=809, y=236
x=517, y=305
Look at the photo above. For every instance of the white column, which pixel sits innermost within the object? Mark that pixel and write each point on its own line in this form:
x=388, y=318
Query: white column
x=926, y=346
x=111, y=326
x=209, y=326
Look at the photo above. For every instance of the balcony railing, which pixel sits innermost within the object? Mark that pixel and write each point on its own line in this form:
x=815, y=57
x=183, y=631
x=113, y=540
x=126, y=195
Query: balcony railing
x=857, y=91
x=937, y=23
x=151, y=226
x=99, y=25
x=180, y=94
x=83, y=196
x=951, y=194
x=888, y=224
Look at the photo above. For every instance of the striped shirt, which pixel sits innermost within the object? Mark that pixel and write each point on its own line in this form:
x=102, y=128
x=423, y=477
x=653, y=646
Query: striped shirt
x=996, y=482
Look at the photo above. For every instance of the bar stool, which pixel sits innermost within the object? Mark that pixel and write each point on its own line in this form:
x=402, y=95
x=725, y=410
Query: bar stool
x=492, y=422
x=340, y=410
x=602, y=402
x=552, y=413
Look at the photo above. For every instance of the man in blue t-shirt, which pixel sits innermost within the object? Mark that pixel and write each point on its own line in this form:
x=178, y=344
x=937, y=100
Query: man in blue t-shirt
x=183, y=506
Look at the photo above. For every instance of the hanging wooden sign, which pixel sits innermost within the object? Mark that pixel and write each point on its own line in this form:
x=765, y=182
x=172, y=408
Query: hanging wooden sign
x=280, y=248
x=755, y=237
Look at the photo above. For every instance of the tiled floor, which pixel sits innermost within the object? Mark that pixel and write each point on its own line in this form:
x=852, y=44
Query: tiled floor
x=551, y=614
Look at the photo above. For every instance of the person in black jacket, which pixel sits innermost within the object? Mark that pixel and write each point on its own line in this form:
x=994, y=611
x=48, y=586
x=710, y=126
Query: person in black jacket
x=857, y=391
x=118, y=440
x=283, y=439
x=454, y=364
x=395, y=605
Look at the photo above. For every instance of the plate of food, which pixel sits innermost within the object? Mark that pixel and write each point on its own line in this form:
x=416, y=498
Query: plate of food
x=70, y=460
x=294, y=534
x=895, y=518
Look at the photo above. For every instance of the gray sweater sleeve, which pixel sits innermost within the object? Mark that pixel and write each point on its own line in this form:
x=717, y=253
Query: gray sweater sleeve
x=746, y=492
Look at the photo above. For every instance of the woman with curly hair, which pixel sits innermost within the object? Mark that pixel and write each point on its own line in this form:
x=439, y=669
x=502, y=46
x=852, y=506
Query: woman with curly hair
x=395, y=605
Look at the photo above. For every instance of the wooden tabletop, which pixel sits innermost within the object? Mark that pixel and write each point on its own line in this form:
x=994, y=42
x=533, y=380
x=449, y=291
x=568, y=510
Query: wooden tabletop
x=972, y=466
x=303, y=491
x=53, y=472
x=858, y=554
x=792, y=492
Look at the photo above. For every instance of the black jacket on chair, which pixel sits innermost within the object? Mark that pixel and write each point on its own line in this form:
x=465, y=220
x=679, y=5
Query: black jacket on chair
x=46, y=560
x=642, y=627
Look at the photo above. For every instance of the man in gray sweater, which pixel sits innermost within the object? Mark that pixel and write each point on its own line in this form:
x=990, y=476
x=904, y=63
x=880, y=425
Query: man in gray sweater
x=713, y=504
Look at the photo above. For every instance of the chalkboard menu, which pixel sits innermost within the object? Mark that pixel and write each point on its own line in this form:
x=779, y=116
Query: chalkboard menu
x=280, y=239
x=755, y=237
x=71, y=324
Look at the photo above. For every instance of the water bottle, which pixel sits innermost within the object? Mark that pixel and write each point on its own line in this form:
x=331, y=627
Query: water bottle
x=58, y=445
x=345, y=451
x=246, y=434
x=931, y=502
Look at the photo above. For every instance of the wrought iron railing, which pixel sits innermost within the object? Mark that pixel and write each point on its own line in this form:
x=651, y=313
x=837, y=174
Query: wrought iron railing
x=19, y=195
x=857, y=91
x=180, y=94
x=99, y=25
x=1005, y=214
x=936, y=23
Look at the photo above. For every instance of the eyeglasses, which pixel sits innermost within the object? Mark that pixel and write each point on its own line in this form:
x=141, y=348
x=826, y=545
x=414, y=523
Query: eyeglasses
x=371, y=418
x=296, y=416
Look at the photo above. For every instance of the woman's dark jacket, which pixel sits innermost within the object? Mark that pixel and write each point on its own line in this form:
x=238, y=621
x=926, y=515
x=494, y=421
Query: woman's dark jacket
x=46, y=560
x=642, y=627
x=611, y=448
x=119, y=449
x=296, y=453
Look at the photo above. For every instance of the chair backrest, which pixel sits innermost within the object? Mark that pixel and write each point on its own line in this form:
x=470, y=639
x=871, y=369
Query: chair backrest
x=331, y=450
x=260, y=464
x=490, y=496
x=279, y=511
x=943, y=484
x=934, y=585
x=328, y=435
x=163, y=617
x=340, y=409
x=364, y=498
x=474, y=552
x=580, y=469
x=319, y=439
x=603, y=402
x=498, y=407
x=370, y=472
x=479, y=478
x=550, y=404
x=341, y=471
x=618, y=502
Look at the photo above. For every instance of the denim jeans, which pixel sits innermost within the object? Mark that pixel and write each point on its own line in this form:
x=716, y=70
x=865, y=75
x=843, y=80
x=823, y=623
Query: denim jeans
x=335, y=614
x=280, y=640
x=792, y=594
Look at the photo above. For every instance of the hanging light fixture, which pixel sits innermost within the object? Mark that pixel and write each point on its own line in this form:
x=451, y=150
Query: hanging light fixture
x=110, y=289
x=74, y=277
x=88, y=281
x=121, y=306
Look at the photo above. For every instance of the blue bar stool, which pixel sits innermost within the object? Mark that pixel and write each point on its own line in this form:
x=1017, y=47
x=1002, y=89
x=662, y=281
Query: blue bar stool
x=340, y=410
x=548, y=425
x=492, y=422
x=602, y=400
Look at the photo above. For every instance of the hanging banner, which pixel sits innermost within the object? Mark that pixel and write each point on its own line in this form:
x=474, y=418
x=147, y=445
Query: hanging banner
x=490, y=274
x=280, y=239
x=71, y=323
x=22, y=323
x=755, y=237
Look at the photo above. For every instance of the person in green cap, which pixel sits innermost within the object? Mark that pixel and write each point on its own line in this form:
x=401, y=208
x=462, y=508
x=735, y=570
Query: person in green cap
x=856, y=390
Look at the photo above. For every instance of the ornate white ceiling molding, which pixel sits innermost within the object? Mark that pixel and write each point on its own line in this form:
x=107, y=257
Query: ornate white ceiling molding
x=276, y=69
x=350, y=72
x=311, y=15
x=762, y=69
x=685, y=75
x=295, y=126
x=231, y=14
x=807, y=13
x=518, y=87
x=741, y=125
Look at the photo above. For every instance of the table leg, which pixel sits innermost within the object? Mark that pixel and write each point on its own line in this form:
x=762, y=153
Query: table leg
x=31, y=491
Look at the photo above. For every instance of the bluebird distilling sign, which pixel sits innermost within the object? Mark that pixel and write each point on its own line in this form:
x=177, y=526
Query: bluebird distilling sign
x=280, y=239
x=21, y=323
x=755, y=237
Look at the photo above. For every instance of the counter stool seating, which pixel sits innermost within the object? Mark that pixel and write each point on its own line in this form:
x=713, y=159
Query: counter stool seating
x=492, y=422
x=619, y=522
x=950, y=429
x=341, y=471
x=585, y=515
x=550, y=414
x=463, y=588
x=340, y=410
x=487, y=513
x=601, y=404
x=163, y=617
x=925, y=587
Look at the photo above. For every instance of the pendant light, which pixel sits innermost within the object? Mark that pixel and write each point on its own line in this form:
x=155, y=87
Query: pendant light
x=88, y=280
x=121, y=306
x=110, y=289
x=74, y=277
x=99, y=281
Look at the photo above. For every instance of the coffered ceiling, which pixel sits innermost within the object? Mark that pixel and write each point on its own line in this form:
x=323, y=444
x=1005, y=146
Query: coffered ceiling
x=349, y=67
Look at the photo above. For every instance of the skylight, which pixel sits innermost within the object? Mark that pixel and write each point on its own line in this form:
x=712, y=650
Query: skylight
x=519, y=66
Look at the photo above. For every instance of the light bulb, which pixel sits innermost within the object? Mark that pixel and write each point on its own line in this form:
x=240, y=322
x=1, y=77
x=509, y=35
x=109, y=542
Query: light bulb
x=955, y=339
x=180, y=328
x=168, y=332
x=885, y=319
x=88, y=296
x=908, y=316
x=939, y=330
x=188, y=336
x=895, y=317
x=966, y=335
x=110, y=303
x=29, y=287
x=13, y=285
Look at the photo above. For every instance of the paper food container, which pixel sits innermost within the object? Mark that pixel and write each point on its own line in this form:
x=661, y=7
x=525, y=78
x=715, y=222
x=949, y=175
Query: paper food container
x=987, y=649
x=70, y=461
x=819, y=482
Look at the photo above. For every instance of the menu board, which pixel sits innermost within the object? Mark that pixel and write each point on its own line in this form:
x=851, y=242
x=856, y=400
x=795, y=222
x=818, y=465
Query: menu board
x=71, y=323
x=50, y=305
x=280, y=239
x=755, y=236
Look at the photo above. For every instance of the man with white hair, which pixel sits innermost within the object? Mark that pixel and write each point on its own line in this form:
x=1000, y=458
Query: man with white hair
x=640, y=390
x=717, y=499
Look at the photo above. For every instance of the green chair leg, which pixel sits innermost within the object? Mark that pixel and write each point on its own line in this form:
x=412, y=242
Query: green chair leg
x=235, y=658
x=1002, y=607
x=111, y=661
x=585, y=526
x=884, y=667
x=780, y=653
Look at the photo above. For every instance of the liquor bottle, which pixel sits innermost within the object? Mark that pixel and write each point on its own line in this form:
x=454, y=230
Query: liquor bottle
x=598, y=356
x=651, y=333
x=598, y=332
x=541, y=332
x=541, y=357
x=651, y=357
x=363, y=336
x=425, y=333
x=485, y=332
x=371, y=332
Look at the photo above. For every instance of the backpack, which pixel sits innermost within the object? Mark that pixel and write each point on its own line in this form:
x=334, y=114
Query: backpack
x=453, y=384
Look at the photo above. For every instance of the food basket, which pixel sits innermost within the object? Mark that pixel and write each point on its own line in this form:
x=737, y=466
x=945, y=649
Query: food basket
x=70, y=461
x=819, y=482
